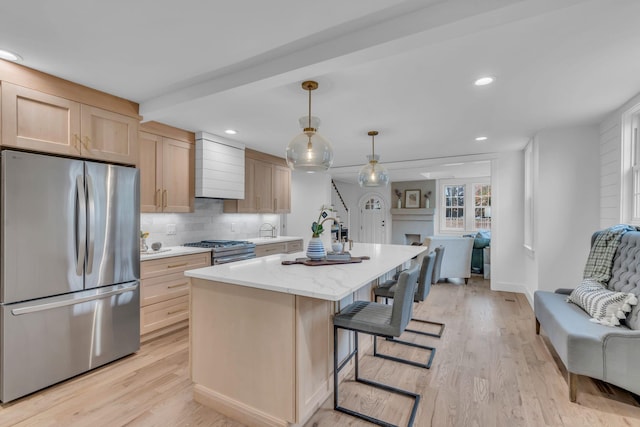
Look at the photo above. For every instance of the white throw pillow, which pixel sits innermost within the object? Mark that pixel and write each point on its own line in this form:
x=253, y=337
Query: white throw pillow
x=604, y=306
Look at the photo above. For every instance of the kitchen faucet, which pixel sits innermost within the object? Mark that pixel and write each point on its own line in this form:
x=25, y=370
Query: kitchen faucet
x=269, y=228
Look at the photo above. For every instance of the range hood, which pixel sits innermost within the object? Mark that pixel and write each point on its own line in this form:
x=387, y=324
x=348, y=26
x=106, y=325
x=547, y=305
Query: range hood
x=219, y=167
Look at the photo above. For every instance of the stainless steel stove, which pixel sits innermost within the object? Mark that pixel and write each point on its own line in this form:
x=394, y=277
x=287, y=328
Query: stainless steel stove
x=224, y=251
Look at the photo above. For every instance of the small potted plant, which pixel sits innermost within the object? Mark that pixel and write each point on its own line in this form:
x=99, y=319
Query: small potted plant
x=427, y=201
x=399, y=196
x=315, y=249
x=143, y=241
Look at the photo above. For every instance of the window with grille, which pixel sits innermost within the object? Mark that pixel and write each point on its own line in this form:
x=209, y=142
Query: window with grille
x=454, y=207
x=482, y=206
x=635, y=170
x=630, y=186
x=465, y=205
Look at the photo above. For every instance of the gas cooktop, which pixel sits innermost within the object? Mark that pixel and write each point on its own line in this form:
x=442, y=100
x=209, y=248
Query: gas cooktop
x=219, y=243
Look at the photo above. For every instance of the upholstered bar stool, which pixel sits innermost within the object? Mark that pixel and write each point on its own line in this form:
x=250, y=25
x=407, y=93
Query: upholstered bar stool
x=388, y=290
x=379, y=320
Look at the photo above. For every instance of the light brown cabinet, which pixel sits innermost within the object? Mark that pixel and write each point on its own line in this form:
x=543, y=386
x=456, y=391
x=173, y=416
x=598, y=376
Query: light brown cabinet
x=279, y=248
x=164, y=291
x=167, y=169
x=267, y=186
x=281, y=189
x=33, y=120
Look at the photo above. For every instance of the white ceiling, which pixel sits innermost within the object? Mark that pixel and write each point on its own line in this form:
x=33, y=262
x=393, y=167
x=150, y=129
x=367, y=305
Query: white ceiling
x=405, y=68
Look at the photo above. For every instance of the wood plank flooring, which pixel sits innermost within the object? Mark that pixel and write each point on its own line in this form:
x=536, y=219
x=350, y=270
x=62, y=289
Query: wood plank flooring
x=490, y=369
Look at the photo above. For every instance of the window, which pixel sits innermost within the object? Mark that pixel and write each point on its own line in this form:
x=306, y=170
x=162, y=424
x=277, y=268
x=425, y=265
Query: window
x=482, y=206
x=462, y=210
x=630, y=212
x=373, y=204
x=454, y=207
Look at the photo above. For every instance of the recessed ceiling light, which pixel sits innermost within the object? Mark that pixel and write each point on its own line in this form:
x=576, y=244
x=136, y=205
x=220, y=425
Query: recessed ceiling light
x=9, y=56
x=481, y=138
x=483, y=81
x=230, y=132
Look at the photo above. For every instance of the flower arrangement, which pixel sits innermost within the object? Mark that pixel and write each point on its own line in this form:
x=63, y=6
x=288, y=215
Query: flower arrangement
x=144, y=234
x=398, y=194
x=317, y=227
x=427, y=194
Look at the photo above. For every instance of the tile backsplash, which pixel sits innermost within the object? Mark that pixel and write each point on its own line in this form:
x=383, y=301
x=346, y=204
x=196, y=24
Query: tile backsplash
x=207, y=222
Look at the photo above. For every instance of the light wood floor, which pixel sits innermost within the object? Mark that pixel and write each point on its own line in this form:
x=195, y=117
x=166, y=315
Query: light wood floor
x=490, y=369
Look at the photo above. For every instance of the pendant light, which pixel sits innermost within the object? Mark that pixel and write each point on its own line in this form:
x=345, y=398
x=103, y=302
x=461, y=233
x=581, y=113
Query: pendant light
x=309, y=151
x=373, y=174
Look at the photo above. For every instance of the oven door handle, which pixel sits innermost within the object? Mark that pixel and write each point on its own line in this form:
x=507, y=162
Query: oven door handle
x=224, y=260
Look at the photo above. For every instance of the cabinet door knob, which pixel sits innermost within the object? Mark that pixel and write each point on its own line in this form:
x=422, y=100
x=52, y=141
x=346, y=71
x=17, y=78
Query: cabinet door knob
x=156, y=199
x=165, y=196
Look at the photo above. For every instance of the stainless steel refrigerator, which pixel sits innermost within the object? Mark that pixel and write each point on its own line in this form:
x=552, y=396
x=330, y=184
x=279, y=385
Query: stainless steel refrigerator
x=70, y=264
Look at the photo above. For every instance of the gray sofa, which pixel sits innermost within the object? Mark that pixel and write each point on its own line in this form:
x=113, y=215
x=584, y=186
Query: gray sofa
x=607, y=353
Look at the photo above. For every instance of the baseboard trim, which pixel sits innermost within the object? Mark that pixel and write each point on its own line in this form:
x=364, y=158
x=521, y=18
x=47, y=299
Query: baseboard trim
x=513, y=287
x=234, y=409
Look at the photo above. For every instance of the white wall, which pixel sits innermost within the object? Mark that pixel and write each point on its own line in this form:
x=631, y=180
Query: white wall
x=309, y=192
x=508, y=255
x=567, y=197
x=207, y=222
x=567, y=203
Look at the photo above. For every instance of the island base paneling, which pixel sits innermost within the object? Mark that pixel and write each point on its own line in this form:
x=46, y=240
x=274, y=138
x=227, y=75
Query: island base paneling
x=249, y=345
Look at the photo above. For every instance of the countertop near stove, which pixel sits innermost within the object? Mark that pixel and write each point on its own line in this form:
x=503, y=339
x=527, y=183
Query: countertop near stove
x=266, y=240
x=173, y=251
x=330, y=282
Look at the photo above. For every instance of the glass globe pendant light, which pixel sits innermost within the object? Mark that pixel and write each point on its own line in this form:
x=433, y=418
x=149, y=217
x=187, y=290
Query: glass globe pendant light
x=373, y=174
x=309, y=151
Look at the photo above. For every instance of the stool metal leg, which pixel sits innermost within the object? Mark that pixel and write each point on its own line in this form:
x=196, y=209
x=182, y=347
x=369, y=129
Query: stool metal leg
x=336, y=369
x=427, y=365
x=430, y=334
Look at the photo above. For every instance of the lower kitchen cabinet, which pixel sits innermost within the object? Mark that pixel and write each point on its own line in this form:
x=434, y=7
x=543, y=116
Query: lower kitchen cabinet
x=279, y=248
x=164, y=292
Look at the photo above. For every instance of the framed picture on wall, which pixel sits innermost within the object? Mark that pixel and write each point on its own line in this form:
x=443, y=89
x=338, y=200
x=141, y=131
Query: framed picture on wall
x=412, y=198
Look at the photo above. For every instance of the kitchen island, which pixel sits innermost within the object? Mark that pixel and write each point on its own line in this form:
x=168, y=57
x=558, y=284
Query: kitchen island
x=261, y=344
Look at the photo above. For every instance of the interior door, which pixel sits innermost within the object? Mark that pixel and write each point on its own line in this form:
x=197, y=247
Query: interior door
x=113, y=225
x=373, y=220
x=40, y=255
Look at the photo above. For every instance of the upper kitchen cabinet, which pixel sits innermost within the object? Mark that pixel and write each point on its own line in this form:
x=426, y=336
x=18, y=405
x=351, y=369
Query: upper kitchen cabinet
x=47, y=114
x=167, y=157
x=37, y=121
x=108, y=136
x=267, y=186
x=281, y=189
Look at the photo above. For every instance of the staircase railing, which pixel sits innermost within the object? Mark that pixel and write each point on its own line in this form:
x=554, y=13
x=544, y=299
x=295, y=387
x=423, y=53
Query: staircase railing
x=335, y=187
x=339, y=195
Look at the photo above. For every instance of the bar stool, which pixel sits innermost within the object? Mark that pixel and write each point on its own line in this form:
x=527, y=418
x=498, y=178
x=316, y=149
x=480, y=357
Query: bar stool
x=379, y=320
x=388, y=290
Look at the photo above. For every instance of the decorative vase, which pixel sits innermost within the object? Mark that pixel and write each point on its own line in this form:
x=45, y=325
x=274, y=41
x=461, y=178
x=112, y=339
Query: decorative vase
x=315, y=249
x=399, y=204
x=143, y=245
x=427, y=204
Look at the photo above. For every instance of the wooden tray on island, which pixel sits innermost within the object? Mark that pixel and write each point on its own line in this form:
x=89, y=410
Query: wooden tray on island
x=313, y=263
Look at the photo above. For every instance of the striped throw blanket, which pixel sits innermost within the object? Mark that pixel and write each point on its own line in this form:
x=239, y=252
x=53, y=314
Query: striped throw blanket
x=604, y=306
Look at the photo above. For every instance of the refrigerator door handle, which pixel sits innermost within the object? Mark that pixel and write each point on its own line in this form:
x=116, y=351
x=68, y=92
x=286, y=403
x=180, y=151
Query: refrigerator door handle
x=91, y=226
x=70, y=301
x=81, y=225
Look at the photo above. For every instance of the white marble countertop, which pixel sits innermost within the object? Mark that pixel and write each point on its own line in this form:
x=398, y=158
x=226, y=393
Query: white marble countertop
x=173, y=251
x=330, y=282
x=267, y=240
